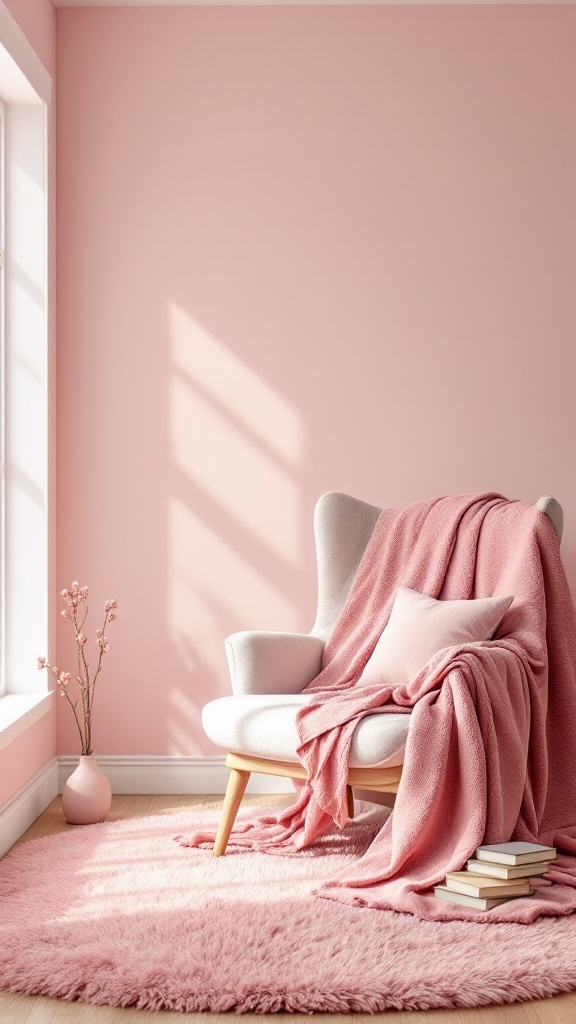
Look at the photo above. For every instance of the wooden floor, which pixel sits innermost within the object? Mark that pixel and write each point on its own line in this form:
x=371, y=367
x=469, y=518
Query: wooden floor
x=17, y=1009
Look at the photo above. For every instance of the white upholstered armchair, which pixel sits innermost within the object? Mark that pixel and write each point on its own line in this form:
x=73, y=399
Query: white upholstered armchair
x=269, y=671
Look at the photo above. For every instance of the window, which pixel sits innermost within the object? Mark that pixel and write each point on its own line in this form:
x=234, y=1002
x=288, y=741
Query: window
x=25, y=89
x=2, y=403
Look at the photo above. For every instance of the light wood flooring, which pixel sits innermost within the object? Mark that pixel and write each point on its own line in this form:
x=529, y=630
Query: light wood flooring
x=17, y=1009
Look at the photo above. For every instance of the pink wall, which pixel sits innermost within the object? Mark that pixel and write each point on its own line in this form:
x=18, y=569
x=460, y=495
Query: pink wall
x=20, y=761
x=299, y=249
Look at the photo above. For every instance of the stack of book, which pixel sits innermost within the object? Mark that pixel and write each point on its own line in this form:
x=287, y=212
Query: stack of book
x=498, y=874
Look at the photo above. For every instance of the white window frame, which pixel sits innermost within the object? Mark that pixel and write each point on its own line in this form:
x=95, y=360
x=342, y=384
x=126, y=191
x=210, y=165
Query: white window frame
x=2, y=395
x=25, y=88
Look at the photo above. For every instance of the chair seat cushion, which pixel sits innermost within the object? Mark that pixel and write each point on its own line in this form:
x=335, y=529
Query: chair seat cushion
x=264, y=725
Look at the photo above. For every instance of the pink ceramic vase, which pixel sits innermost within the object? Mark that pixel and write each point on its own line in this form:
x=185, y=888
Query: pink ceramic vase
x=87, y=793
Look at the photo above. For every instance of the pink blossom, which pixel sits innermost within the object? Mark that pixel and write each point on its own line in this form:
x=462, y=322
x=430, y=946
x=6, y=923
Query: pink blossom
x=41, y=662
x=75, y=593
x=76, y=610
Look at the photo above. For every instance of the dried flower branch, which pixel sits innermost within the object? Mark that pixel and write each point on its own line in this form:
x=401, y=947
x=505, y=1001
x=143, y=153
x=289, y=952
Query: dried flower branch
x=76, y=598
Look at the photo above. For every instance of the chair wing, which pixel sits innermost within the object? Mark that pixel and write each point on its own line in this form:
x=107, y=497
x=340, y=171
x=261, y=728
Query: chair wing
x=553, y=510
x=342, y=527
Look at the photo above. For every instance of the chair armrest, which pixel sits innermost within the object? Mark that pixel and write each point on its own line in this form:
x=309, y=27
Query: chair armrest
x=266, y=662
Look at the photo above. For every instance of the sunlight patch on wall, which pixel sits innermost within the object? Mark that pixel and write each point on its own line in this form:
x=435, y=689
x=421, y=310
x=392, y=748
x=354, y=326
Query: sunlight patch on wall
x=234, y=437
x=210, y=583
x=237, y=474
x=261, y=409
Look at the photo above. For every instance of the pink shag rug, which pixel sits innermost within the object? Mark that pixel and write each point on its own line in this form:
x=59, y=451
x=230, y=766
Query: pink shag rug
x=120, y=914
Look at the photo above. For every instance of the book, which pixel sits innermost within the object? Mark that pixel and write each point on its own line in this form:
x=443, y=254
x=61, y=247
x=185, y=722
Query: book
x=516, y=853
x=444, y=893
x=484, y=887
x=484, y=867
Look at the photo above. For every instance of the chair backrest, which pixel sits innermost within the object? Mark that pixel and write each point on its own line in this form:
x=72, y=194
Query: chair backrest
x=342, y=527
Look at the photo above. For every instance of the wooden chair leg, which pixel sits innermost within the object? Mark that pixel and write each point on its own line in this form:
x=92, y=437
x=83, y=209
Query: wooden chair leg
x=350, y=801
x=237, y=783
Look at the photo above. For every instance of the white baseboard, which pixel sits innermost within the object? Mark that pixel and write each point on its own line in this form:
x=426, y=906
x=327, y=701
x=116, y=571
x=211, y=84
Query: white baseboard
x=27, y=804
x=133, y=773
x=128, y=774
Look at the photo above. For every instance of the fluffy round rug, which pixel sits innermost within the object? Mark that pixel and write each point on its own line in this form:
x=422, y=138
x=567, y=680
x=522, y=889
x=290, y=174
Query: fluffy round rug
x=120, y=914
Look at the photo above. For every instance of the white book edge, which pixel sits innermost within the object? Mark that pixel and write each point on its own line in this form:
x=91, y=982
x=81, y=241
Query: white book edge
x=489, y=870
x=468, y=890
x=450, y=896
x=536, y=855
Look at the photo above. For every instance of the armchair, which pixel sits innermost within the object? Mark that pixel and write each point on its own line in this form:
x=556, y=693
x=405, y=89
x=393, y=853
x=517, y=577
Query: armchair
x=269, y=672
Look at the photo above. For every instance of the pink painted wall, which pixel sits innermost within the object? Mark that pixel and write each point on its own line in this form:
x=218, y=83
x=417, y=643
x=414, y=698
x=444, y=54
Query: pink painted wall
x=20, y=761
x=27, y=754
x=299, y=249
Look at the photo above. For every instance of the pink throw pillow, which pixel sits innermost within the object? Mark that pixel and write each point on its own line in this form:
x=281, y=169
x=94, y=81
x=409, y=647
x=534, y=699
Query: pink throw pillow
x=419, y=627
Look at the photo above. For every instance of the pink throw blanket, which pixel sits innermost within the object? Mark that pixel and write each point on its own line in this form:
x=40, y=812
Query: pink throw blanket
x=492, y=743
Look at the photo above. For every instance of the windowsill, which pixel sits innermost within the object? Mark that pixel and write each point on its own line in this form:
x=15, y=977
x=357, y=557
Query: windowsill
x=18, y=711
